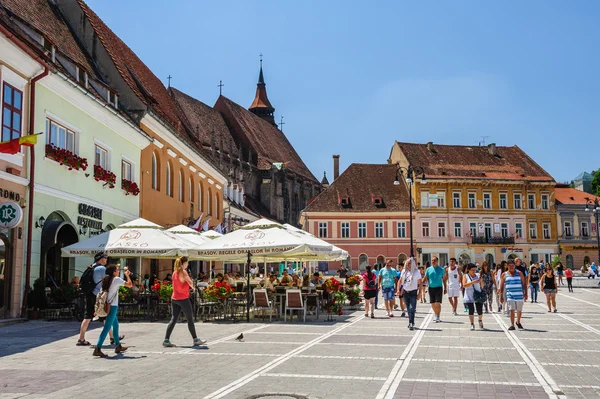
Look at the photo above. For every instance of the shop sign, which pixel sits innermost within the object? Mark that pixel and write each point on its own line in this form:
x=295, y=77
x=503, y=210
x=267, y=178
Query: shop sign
x=10, y=195
x=11, y=215
x=91, y=212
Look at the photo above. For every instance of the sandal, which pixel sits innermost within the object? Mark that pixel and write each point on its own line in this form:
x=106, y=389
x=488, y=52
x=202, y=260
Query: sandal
x=82, y=343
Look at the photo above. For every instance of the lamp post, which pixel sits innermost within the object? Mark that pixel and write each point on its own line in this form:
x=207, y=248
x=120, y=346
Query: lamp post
x=594, y=206
x=412, y=172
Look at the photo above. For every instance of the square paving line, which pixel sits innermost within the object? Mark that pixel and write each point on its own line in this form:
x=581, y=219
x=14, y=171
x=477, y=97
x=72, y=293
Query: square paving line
x=471, y=371
x=336, y=367
x=467, y=382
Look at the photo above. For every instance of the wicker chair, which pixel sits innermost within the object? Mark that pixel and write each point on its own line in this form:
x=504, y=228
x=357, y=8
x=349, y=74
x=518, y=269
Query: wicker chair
x=262, y=301
x=293, y=299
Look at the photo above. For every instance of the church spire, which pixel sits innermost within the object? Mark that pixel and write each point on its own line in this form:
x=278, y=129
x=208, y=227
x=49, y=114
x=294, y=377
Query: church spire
x=261, y=106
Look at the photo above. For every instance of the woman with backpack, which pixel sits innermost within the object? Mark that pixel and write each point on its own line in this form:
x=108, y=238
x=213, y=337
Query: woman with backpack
x=474, y=297
x=180, y=301
x=370, y=291
x=110, y=291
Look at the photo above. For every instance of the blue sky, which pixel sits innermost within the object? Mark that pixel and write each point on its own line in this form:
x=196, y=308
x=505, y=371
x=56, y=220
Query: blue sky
x=351, y=77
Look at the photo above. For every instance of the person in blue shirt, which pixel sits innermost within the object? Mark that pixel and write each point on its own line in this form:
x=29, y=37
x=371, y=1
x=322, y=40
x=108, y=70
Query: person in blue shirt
x=437, y=279
x=387, y=285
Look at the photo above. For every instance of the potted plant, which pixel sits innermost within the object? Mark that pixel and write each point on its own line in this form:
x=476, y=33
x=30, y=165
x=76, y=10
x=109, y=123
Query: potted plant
x=37, y=298
x=218, y=291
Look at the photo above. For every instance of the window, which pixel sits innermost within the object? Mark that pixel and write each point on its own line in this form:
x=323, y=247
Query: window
x=568, y=229
x=533, y=230
x=585, y=229
x=487, y=200
x=101, y=157
x=473, y=229
x=401, y=229
x=546, y=230
x=200, y=196
x=456, y=200
x=517, y=198
x=503, y=201
x=424, y=199
x=425, y=229
x=487, y=228
x=126, y=170
x=504, y=230
x=60, y=136
x=457, y=229
x=363, y=259
x=362, y=229
x=441, y=229
x=441, y=198
x=209, y=203
x=169, y=180
x=12, y=110
x=472, y=203
x=519, y=230
x=154, y=172
x=379, y=229
x=545, y=202
x=531, y=201
x=180, y=186
x=345, y=230
x=190, y=192
x=323, y=229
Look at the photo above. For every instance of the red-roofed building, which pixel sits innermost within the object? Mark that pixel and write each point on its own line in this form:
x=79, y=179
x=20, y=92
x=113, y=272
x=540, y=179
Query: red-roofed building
x=577, y=227
x=480, y=203
x=363, y=212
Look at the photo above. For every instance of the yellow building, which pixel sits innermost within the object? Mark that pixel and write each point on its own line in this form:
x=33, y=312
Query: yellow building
x=479, y=203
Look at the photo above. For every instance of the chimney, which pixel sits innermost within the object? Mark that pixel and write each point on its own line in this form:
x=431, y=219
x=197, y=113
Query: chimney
x=492, y=149
x=336, y=167
x=430, y=146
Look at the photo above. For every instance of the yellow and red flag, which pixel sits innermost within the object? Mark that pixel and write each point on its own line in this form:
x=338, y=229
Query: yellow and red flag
x=13, y=146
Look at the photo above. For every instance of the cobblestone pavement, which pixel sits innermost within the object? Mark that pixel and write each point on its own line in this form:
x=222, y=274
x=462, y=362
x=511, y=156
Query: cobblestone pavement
x=354, y=357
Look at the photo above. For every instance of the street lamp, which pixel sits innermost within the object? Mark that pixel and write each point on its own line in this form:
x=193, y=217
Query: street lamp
x=594, y=206
x=412, y=172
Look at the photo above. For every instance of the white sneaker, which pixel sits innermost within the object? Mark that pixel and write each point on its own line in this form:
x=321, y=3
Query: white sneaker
x=472, y=327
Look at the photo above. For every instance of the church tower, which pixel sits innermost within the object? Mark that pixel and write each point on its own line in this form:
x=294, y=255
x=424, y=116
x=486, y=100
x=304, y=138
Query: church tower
x=261, y=105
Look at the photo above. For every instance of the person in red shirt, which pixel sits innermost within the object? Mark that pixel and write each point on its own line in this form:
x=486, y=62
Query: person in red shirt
x=180, y=301
x=569, y=276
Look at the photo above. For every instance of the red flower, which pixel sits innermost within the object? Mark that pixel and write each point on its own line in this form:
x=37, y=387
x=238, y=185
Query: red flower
x=66, y=157
x=105, y=175
x=130, y=187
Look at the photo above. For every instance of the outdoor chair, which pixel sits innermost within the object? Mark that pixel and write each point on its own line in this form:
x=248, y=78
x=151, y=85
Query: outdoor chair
x=262, y=301
x=204, y=307
x=293, y=299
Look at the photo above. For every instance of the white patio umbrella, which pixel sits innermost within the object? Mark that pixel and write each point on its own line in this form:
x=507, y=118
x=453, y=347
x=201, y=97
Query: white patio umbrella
x=211, y=234
x=335, y=254
x=262, y=238
x=138, y=238
x=188, y=234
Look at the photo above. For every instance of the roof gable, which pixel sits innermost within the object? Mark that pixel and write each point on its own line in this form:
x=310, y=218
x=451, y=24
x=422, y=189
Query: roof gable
x=571, y=196
x=363, y=188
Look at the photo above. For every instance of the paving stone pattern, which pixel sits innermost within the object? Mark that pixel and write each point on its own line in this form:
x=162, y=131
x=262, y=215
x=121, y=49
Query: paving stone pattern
x=555, y=356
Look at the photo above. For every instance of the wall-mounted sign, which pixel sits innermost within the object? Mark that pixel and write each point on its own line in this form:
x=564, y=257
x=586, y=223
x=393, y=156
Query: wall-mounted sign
x=92, y=212
x=496, y=227
x=480, y=226
x=11, y=214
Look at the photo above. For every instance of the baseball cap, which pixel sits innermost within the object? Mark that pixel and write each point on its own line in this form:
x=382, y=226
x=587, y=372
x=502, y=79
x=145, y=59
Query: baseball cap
x=99, y=256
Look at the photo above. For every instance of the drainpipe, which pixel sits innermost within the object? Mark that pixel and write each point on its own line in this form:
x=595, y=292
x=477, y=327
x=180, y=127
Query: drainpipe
x=31, y=188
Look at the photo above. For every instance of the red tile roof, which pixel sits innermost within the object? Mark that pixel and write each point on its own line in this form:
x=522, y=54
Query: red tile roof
x=571, y=196
x=138, y=76
x=269, y=142
x=361, y=184
x=203, y=121
x=41, y=16
x=473, y=162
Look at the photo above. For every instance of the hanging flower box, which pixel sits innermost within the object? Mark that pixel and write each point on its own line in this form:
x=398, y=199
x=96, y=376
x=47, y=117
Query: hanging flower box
x=130, y=187
x=66, y=157
x=101, y=174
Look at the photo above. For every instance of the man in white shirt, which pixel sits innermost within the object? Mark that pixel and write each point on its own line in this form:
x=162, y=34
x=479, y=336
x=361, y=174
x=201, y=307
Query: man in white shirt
x=411, y=290
x=454, y=280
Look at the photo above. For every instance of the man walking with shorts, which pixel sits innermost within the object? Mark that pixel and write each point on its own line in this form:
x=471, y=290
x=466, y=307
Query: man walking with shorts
x=454, y=277
x=516, y=293
x=436, y=277
x=387, y=285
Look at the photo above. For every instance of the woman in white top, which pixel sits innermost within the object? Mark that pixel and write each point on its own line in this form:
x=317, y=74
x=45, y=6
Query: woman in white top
x=111, y=283
x=411, y=289
x=471, y=283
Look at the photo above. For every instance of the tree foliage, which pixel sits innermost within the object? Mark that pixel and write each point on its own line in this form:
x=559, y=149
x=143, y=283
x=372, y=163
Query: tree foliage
x=595, y=186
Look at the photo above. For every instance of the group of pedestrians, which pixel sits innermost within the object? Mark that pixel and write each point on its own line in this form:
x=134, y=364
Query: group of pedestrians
x=102, y=281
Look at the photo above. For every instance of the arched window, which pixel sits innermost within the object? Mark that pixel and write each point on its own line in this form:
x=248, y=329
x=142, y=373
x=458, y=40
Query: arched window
x=586, y=261
x=464, y=259
x=363, y=261
x=180, y=186
x=489, y=258
x=190, y=191
x=155, y=172
x=169, y=180
x=570, y=261
x=219, y=205
x=209, y=210
x=381, y=260
x=401, y=258
x=200, y=196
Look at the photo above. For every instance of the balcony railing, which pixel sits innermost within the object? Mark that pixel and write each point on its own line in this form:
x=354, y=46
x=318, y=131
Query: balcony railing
x=493, y=240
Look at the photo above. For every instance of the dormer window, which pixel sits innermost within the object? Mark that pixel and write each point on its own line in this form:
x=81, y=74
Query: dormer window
x=377, y=200
x=113, y=99
x=345, y=201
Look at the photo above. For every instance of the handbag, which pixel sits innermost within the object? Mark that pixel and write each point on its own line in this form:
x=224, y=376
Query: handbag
x=478, y=296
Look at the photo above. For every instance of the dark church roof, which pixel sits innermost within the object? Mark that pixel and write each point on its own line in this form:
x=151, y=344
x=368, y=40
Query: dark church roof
x=363, y=188
x=261, y=100
x=270, y=144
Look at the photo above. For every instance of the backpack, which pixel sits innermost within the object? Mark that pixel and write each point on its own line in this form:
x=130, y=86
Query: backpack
x=86, y=282
x=102, y=307
x=371, y=283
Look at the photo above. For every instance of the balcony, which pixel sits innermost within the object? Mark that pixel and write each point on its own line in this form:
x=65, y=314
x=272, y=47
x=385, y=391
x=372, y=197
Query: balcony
x=493, y=240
